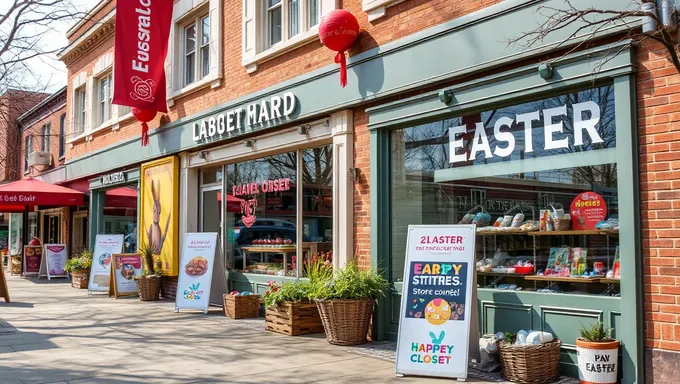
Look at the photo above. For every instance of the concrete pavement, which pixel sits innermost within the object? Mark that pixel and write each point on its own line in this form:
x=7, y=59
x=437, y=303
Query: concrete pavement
x=52, y=333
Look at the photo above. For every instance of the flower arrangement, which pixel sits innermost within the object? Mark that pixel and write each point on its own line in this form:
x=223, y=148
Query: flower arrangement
x=288, y=291
x=79, y=263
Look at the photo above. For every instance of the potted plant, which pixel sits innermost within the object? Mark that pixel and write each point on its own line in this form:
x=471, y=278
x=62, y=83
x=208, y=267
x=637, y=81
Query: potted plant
x=79, y=269
x=149, y=284
x=598, y=355
x=345, y=302
x=288, y=309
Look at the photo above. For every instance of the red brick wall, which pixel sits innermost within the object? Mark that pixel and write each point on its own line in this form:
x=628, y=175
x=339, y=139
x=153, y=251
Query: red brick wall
x=362, y=198
x=403, y=19
x=35, y=130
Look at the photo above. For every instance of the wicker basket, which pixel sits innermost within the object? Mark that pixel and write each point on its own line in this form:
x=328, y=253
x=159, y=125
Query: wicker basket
x=15, y=268
x=241, y=307
x=533, y=364
x=80, y=278
x=563, y=224
x=345, y=321
x=149, y=288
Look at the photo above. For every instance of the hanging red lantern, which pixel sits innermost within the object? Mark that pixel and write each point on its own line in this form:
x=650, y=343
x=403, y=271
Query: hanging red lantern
x=338, y=31
x=144, y=115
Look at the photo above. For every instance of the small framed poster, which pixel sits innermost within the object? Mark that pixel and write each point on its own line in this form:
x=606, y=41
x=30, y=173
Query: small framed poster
x=55, y=258
x=125, y=268
x=33, y=259
x=100, y=274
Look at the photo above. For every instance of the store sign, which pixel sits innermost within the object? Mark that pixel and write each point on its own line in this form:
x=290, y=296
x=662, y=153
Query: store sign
x=554, y=136
x=55, y=258
x=437, y=305
x=32, y=259
x=105, y=246
x=202, y=278
x=113, y=178
x=126, y=267
x=245, y=118
x=587, y=209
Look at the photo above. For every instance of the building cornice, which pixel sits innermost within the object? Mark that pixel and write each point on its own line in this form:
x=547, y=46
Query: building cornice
x=87, y=17
x=92, y=38
x=46, y=107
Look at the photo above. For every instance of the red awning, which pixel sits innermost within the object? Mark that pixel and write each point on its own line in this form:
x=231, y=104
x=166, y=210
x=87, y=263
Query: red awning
x=32, y=192
x=122, y=197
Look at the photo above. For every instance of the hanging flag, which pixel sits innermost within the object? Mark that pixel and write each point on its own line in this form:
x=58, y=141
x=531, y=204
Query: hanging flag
x=142, y=33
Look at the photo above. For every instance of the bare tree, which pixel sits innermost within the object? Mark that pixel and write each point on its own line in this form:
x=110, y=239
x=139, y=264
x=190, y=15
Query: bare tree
x=592, y=21
x=25, y=26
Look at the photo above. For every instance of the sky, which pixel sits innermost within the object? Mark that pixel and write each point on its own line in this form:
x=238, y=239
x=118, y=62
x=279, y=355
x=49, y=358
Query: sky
x=52, y=72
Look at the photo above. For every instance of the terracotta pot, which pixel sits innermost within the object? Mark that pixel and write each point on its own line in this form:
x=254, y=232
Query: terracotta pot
x=598, y=362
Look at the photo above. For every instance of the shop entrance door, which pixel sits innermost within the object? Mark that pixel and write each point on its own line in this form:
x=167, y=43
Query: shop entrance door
x=52, y=229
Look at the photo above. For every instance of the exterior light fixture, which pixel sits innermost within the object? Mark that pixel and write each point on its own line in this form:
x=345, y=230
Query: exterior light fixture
x=250, y=143
x=546, y=71
x=445, y=96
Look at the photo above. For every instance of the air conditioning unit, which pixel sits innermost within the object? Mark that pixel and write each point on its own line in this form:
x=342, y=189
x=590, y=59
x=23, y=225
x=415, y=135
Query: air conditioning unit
x=39, y=158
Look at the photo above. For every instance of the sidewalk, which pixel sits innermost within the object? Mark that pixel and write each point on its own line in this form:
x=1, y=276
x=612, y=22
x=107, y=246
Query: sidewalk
x=52, y=333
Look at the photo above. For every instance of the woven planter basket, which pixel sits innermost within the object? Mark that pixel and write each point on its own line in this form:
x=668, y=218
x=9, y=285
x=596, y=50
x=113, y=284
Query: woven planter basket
x=15, y=269
x=535, y=364
x=241, y=307
x=149, y=288
x=346, y=322
x=80, y=278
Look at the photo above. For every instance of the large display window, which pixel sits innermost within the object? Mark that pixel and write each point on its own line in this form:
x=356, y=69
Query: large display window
x=540, y=181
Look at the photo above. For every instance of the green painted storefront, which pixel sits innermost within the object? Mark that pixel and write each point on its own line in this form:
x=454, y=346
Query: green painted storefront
x=441, y=55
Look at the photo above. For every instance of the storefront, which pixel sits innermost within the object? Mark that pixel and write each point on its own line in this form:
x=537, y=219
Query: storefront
x=113, y=207
x=278, y=200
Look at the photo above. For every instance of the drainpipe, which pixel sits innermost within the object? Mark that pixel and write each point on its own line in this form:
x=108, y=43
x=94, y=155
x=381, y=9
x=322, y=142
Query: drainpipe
x=648, y=22
x=666, y=12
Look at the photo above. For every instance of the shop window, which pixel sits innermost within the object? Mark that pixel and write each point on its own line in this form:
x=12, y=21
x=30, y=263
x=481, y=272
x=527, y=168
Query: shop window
x=261, y=215
x=555, y=155
x=62, y=135
x=80, y=111
x=317, y=205
x=211, y=176
x=45, y=136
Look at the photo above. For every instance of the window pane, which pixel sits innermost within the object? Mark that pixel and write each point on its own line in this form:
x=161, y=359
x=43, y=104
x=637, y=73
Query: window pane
x=211, y=176
x=271, y=3
x=190, y=39
x=62, y=139
x=261, y=213
x=205, y=61
x=205, y=31
x=189, y=68
x=317, y=205
x=313, y=12
x=211, y=205
x=274, y=17
x=293, y=17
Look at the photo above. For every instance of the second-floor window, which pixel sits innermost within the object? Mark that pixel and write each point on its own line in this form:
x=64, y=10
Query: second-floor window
x=287, y=18
x=62, y=135
x=196, y=49
x=27, y=150
x=80, y=110
x=104, y=96
x=45, y=134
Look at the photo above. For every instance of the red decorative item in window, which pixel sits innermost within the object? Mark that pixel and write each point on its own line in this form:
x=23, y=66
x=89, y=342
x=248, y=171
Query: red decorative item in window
x=338, y=31
x=144, y=115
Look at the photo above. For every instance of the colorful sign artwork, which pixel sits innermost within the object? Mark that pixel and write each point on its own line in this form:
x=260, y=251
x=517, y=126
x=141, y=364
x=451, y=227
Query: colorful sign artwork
x=587, y=209
x=104, y=248
x=32, y=259
x=56, y=256
x=159, y=211
x=436, y=308
x=202, y=279
x=126, y=267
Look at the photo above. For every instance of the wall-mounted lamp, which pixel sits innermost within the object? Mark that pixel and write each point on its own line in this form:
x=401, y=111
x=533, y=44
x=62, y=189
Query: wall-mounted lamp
x=203, y=155
x=303, y=129
x=353, y=174
x=445, y=96
x=250, y=143
x=546, y=71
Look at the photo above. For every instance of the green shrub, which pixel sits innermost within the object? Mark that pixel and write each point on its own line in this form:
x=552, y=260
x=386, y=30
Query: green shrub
x=79, y=263
x=288, y=291
x=596, y=333
x=350, y=283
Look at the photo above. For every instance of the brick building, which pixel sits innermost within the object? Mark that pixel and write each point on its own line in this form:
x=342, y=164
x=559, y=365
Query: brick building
x=438, y=119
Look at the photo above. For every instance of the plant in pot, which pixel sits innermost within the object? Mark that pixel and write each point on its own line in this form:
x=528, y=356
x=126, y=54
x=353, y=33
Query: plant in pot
x=345, y=302
x=598, y=354
x=79, y=269
x=149, y=284
x=288, y=309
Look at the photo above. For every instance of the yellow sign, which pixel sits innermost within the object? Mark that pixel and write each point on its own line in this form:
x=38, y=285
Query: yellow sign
x=159, y=210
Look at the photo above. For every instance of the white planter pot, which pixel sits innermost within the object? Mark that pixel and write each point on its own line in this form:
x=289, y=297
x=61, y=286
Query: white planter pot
x=598, y=363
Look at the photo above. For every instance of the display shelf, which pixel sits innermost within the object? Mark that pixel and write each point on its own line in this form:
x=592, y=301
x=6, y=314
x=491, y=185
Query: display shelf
x=490, y=233
x=610, y=232
x=588, y=280
x=610, y=281
x=500, y=274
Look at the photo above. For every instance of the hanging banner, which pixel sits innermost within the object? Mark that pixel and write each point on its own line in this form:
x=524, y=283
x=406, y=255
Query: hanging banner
x=202, y=280
x=55, y=259
x=437, y=306
x=105, y=246
x=159, y=207
x=142, y=34
x=125, y=268
x=32, y=259
x=587, y=209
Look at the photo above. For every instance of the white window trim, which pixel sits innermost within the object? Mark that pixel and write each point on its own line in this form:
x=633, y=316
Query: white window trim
x=281, y=48
x=95, y=115
x=376, y=9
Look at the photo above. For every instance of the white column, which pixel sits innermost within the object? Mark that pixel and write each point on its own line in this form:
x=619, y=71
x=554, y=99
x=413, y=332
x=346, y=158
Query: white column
x=342, y=126
x=188, y=198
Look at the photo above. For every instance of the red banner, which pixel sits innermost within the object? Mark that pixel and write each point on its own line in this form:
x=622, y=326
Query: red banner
x=142, y=33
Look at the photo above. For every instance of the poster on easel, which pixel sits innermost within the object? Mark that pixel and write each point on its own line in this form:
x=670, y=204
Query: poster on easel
x=105, y=247
x=55, y=257
x=125, y=268
x=202, y=280
x=4, y=291
x=33, y=259
x=438, y=303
